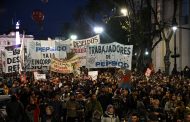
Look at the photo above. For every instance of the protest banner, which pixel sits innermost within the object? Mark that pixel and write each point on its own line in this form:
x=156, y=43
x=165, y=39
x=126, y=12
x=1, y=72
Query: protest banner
x=79, y=47
x=64, y=66
x=61, y=67
x=39, y=76
x=93, y=74
x=85, y=42
x=109, y=55
x=10, y=58
x=40, y=52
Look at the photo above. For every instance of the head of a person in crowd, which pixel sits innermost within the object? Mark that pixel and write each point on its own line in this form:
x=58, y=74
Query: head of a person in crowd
x=187, y=117
x=125, y=92
x=151, y=100
x=117, y=92
x=80, y=96
x=57, y=97
x=179, y=97
x=106, y=90
x=110, y=109
x=33, y=99
x=94, y=97
x=173, y=98
x=134, y=117
x=13, y=98
x=156, y=102
x=167, y=94
x=179, y=120
x=49, y=110
x=72, y=96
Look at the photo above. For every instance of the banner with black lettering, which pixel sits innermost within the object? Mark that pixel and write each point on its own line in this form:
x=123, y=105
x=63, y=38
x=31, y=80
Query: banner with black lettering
x=79, y=47
x=10, y=58
x=40, y=52
x=109, y=55
x=65, y=66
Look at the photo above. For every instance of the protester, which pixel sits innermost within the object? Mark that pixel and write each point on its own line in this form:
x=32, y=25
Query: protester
x=72, y=106
x=49, y=115
x=134, y=118
x=109, y=115
x=33, y=110
x=77, y=98
x=14, y=110
x=94, y=110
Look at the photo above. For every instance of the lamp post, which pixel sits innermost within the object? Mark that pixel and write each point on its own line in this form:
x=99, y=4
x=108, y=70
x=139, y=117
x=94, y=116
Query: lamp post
x=73, y=37
x=124, y=12
x=98, y=29
x=174, y=27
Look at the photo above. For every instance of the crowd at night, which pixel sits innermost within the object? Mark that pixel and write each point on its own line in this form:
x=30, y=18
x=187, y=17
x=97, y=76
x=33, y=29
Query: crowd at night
x=94, y=61
x=79, y=98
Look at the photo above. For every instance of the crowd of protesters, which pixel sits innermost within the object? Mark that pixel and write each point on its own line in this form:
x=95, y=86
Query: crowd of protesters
x=69, y=98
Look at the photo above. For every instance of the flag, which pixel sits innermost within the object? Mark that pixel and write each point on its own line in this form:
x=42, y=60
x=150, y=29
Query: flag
x=21, y=56
x=148, y=72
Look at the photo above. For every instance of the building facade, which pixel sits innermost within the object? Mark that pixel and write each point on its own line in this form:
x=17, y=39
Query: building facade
x=9, y=40
x=165, y=9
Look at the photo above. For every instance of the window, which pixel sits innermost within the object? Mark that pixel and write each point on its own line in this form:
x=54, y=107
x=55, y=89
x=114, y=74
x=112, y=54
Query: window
x=185, y=7
x=185, y=12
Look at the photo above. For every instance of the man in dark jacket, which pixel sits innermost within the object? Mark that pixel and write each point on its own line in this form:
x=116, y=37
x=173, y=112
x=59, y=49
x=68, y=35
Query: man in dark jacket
x=14, y=110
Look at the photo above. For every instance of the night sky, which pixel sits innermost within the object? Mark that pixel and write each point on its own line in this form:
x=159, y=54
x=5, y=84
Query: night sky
x=57, y=12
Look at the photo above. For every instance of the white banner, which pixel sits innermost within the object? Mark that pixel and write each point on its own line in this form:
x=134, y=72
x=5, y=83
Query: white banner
x=93, y=74
x=79, y=47
x=40, y=52
x=10, y=59
x=109, y=55
x=39, y=76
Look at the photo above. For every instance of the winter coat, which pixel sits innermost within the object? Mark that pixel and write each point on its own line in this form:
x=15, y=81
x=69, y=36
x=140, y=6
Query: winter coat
x=72, y=107
x=15, y=111
x=109, y=118
x=93, y=111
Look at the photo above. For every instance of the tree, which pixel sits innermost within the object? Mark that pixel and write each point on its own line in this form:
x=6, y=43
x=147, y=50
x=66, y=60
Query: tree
x=137, y=28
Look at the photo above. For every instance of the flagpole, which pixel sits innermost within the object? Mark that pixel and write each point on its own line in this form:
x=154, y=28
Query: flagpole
x=22, y=55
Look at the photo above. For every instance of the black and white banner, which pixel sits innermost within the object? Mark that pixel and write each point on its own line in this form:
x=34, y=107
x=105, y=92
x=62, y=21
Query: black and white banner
x=10, y=58
x=40, y=52
x=109, y=55
x=79, y=47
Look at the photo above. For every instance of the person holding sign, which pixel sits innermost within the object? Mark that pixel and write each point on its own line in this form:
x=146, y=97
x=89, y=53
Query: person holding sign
x=124, y=78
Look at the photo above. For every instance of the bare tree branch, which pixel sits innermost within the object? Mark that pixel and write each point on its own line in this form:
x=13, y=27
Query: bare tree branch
x=155, y=44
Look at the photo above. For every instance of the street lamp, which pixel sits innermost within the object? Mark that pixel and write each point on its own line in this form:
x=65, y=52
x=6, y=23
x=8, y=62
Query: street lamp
x=73, y=37
x=146, y=52
x=98, y=29
x=124, y=11
x=174, y=27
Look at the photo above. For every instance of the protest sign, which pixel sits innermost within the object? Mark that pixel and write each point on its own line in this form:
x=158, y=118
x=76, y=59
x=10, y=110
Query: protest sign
x=64, y=66
x=109, y=55
x=79, y=47
x=93, y=74
x=40, y=52
x=10, y=58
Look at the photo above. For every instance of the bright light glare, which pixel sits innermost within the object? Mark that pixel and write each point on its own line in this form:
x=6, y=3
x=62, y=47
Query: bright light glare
x=73, y=37
x=17, y=33
x=174, y=28
x=146, y=53
x=17, y=25
x=124, y=11
x=98, y=30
